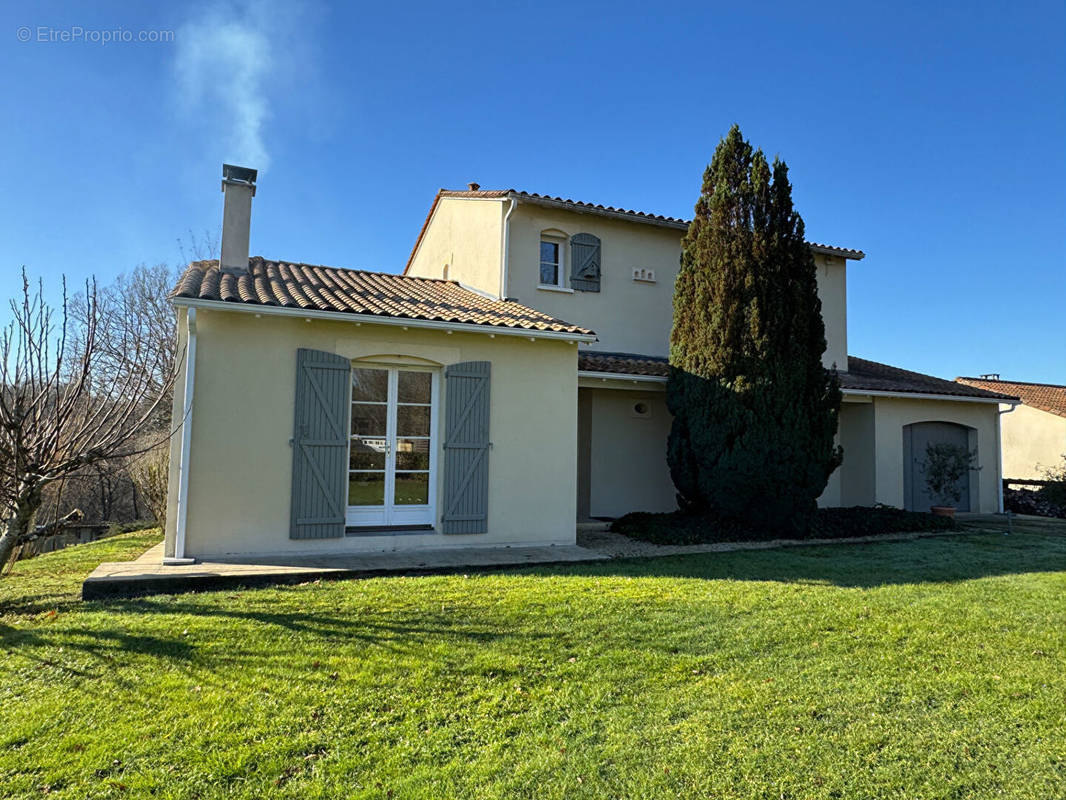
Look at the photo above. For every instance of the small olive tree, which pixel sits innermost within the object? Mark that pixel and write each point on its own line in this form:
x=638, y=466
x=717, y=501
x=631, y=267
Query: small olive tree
x=76, y=389
x=945, y=465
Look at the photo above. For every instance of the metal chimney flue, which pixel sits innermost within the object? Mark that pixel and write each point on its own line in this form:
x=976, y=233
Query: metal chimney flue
x=238, y=186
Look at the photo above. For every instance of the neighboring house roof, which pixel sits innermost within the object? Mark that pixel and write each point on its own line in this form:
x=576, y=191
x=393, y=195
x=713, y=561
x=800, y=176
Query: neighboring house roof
x=593, y=208
x=308, y=287
x=861, y=376
x=1047, y=397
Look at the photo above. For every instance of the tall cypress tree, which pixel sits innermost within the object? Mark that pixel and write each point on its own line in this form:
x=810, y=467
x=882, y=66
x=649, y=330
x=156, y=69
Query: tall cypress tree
x=755, y=412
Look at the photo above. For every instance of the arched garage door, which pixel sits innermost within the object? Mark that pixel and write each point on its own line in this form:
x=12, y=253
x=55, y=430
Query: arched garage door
x=915, y=439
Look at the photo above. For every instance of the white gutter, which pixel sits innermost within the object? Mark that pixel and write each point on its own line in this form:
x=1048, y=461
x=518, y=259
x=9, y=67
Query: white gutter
x=504, y=241
x=186, y=444
x=619, y=376
x=924, y=396
x=373, y=319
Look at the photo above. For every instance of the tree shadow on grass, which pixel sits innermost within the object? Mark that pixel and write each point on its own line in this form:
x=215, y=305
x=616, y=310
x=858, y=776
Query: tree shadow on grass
x=945, y=559
x=106, y=646
x=398, y=632
x=29, y=605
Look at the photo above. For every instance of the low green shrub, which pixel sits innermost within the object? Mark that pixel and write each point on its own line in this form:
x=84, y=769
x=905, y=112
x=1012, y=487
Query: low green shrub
x=1054, y=493
x=677, y=528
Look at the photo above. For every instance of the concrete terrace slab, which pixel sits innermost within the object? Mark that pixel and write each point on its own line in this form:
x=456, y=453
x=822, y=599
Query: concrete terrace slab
x=148, y=575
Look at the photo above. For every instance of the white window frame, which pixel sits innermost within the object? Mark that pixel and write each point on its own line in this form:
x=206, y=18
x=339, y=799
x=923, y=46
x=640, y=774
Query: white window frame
x=560, y=275
x=390, y=514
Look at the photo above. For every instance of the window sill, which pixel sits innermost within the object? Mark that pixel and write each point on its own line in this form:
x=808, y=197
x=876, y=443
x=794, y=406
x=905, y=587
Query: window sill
x=545, y=287
x=387, y=530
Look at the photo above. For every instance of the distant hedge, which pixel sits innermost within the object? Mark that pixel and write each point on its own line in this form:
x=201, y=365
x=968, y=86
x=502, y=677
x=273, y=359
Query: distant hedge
x=1028, y=501
x=677, y=528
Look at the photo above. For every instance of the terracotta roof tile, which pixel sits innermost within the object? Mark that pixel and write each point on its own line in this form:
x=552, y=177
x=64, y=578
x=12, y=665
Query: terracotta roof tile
x=1047, y=397
x=599, y=208
x=349, y=291
x=622, y=364
x=861, y=375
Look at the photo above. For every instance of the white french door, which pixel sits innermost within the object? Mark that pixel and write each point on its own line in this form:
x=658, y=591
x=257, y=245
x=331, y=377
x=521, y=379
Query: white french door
x=392, y=447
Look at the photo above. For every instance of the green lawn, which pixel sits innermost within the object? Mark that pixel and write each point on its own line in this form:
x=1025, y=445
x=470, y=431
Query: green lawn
x=933, y=668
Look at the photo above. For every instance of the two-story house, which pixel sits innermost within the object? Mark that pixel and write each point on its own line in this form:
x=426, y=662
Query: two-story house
x=331, y=410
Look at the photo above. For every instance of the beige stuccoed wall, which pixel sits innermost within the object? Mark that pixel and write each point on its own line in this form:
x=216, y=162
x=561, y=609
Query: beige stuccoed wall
x=857, y=437
x=830, y=496
x=632, y=316
x=627, y=454
x=1032, y=441
x=464, y=234
x=626, y=457
x=891, y=414
x=627, y=468
x=628, y=316
x=239, y=488
x=833, y=292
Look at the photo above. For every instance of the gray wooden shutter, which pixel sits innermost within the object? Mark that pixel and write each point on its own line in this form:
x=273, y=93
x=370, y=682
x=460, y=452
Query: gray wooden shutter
x=320, y=445
x=466, y=448
x=585, y=262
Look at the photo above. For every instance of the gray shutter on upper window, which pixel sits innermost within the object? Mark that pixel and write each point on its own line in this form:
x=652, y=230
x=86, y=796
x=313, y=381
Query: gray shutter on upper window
x=585, y=262
x=320, y=445
x=466, y=447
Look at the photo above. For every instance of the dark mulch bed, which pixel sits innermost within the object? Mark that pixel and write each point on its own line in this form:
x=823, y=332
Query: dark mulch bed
x=828, y=523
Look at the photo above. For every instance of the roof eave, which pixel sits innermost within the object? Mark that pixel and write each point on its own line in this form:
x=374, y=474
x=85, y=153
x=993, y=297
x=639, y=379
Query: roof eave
x=648, y=219
x=548, y=202
x=374, y=319
x=625, y=376
x=619, y=376
x=842, y=252
x=930, y=396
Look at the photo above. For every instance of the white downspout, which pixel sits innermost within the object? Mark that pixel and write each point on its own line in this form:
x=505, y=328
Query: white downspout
x=186, y=444
x=999, y=457
x=504, y=241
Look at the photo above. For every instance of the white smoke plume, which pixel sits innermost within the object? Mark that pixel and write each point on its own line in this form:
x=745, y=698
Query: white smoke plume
x=223, y=65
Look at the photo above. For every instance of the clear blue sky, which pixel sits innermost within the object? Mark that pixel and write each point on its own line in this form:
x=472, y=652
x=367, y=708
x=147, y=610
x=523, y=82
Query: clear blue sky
x=932, y=136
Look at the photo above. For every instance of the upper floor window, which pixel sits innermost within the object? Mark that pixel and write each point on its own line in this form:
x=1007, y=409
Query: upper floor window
x=551, y=261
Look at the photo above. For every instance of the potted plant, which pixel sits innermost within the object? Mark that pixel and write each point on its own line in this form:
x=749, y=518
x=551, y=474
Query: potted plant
x=944, y=466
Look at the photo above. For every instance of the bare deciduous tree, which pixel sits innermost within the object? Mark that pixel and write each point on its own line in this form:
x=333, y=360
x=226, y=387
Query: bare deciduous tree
x=75, y=391
x=149, y=472
x=136, y=306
